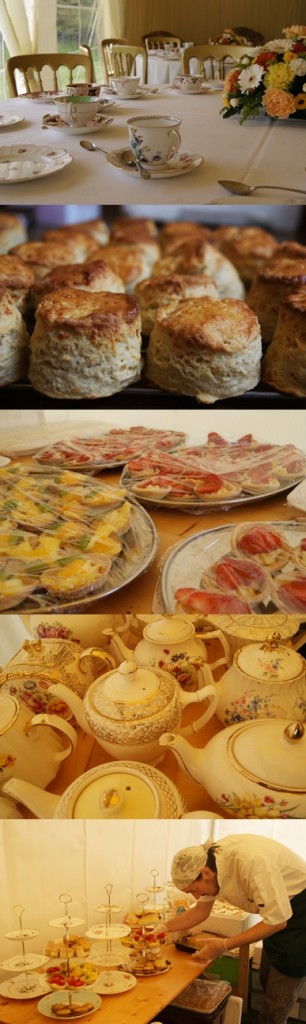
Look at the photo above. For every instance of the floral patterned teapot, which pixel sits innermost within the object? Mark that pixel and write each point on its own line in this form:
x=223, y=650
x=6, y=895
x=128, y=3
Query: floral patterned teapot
x=170, y=642
x=39, y=663
x=128, y=708
x=251, y=770
x=32, y=747
x=266, y=680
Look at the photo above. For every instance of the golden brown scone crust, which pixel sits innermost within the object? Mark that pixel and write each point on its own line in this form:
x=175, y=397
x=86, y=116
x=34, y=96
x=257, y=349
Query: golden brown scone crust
x=92, y=277
x=43, y=256
x=248, y=248
x=206, y=347
x=156, y=291
x=288, y=251
x=130, y=262
x=97, y=229
x=197, y=256
x=14, y=272
x=176, y=232
x=270, y=286
x=85, y=344
x=284, y=365
x=133, y=229
x=12, y=231
x=88, y=308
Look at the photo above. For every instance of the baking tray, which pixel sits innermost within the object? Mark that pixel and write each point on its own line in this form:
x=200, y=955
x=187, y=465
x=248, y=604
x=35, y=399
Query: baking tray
x=187, y=561
x=142, y=396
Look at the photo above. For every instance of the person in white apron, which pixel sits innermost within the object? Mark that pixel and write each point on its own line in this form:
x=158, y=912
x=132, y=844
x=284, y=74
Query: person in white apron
x=262, y=877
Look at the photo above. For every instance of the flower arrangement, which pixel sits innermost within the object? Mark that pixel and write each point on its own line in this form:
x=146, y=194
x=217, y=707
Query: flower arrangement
x=272, y=80
x=228, y=37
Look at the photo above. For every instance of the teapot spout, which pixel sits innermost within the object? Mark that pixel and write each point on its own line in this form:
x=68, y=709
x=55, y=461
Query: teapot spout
x=74, y=703
x=120, y=649
x=191, y=759
x=42, y=804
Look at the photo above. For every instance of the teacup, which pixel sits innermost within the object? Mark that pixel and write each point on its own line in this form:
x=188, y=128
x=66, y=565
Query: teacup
x=125, y=86
x=83, y=89
x=188, y=83
x=154, y=139
x=77, y=110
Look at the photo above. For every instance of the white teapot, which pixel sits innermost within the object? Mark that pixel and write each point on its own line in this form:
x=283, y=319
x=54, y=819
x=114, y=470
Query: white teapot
x=171, y=643
x=31, y=747
x=266, y=680
x=121, y=789
x=253, y=770
x=128, y=708
x=39, y=663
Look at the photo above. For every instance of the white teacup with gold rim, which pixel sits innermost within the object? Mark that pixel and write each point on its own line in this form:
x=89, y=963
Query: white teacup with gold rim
x=77, y=110
x=188, y=83
x=125, y=86
x=154, y=139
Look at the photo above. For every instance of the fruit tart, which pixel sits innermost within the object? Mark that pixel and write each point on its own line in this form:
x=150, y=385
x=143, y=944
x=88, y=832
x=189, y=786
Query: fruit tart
x=241, y=576
x=75, y=577
x=261, y=542
x=289, y=593
x=210, y=602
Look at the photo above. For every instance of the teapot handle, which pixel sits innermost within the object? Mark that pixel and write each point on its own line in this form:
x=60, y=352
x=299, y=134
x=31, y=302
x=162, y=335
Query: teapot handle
x=61, y=726
x=217, y=633
x=207, y=691
x=96, y=652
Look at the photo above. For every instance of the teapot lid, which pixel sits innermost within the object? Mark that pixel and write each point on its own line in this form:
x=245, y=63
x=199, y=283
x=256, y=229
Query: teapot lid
x=131, y=693
x=124, y=793
x=169, y=630
x=256, y=627
x=9, y=711
x=270, y=661
x=271, y=752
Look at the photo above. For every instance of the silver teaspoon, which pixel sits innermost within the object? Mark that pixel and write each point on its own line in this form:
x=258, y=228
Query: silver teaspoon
x=239, y=189
x=92, y=147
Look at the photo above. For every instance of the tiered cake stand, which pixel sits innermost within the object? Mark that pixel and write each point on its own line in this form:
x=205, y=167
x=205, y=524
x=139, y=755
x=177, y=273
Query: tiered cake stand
x=27, y=985
x=110, y=982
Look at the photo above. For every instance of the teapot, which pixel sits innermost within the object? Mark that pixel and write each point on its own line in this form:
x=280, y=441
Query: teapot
x=39, y=663
x=240, y=630
x=128, y=708
x=266, y=680
x=31, y=747
x=253, y=770
x=122, y=789
x=171, y=643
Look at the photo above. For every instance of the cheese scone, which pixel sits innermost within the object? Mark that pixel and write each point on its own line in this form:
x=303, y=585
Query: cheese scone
x=14, y=341
x=157, y=291
x=197, y=256
x=271, y=286
x=248, y=248
x=89, y=277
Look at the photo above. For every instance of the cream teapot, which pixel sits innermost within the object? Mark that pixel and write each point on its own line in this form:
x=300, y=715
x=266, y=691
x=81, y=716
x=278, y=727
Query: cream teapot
x=37, y=664
x=31, y=747
x=171, y=643
x=266, y=680
x=128, y=708
x=253, y=770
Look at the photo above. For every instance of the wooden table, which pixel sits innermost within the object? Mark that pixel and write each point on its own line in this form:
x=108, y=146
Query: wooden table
x=142, y=1003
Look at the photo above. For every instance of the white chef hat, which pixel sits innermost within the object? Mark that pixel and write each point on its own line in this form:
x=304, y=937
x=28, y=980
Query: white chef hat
x=188, y=863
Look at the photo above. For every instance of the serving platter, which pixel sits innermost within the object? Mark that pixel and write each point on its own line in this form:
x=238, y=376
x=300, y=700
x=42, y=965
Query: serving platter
x=141, y=972
x=106, y=452
x=66, y=541
x=31, y=986
x=81, y=998
x=181, y=581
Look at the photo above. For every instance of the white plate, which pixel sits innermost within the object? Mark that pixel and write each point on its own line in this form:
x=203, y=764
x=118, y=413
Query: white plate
x=24, y=163
x=42, y=97
x=114, y=931
x=61, y=922
x=148, y=974
x=98, y=122
x=7, y=119
x=18, y=963
x=22, y=933
x=213, y=87
x=11, y=989
x=45, y=1004
x=111, y=983
x=182, y=163
x=140, y=93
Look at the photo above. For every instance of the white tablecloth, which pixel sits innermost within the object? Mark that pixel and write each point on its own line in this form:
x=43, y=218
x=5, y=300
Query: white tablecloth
x=260, y=151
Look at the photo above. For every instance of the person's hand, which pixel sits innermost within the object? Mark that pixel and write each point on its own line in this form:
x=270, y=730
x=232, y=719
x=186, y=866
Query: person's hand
x=210, y=950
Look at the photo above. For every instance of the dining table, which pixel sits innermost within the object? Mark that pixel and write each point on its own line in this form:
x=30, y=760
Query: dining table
x=141, y=1004
x=261, y=151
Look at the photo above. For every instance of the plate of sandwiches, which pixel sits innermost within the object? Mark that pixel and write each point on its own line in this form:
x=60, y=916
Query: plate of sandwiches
x=66, y=539
x=252, y=567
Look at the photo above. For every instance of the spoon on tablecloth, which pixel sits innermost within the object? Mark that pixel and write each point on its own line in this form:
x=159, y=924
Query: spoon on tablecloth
x=92, y=147
x=239, y=189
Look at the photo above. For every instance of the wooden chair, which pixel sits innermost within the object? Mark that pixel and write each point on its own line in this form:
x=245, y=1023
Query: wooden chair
x=213, y=60
x=124, y=60
x=159, y=41
x=106, y=48
x=30, y=66
x=86, y=50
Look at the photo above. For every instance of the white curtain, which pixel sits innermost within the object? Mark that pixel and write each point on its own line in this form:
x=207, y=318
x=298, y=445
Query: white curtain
x=28, y=26
x=111, y=18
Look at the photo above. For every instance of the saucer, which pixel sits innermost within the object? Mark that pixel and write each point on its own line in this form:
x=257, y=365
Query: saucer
x=140, y=93
x=94, y=125
x=205, y=88
x=182, y=163
x=7, y=119
x=47, y=96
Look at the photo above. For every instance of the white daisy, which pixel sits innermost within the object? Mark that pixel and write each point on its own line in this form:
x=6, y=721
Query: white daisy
x=298, y=65
x=250, y=77
x=278, y=45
